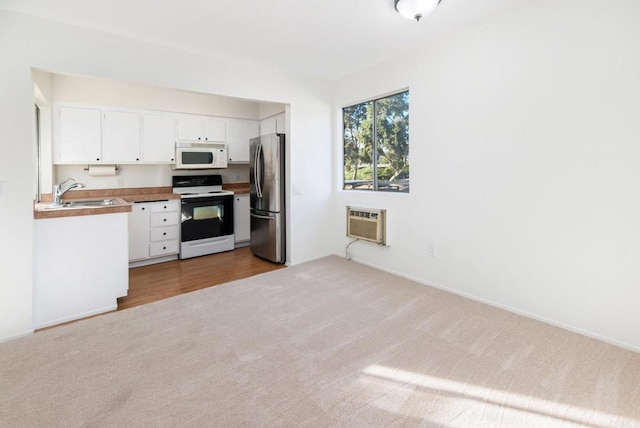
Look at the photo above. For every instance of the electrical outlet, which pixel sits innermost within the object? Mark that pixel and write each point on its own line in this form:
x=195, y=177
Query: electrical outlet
x=432, y=249
x=120, y=181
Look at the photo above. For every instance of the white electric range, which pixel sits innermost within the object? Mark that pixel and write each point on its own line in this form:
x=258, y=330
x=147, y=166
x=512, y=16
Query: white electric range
x=206, y=224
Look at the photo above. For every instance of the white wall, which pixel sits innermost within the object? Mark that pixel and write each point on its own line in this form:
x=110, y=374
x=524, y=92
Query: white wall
x=525, y=146
x=34, y=43
x=43, y=89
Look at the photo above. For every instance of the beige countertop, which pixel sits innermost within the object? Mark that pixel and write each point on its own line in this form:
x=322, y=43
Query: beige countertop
x=122, y=201
x=123, y=198
x=237, y=188
x=44, y=210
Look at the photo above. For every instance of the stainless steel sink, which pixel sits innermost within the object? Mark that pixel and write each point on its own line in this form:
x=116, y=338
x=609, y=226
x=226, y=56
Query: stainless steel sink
x=88, y=203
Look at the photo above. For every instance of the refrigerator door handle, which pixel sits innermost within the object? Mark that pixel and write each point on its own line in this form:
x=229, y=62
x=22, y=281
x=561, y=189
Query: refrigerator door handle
x=264, y=217
x=259, y=170
x=255, y=170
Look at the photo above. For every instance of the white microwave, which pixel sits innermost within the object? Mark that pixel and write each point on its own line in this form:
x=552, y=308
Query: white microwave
x=200, y=155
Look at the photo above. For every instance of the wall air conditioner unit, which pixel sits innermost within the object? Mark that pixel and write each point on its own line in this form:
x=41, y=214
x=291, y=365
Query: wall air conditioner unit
x=367, y=224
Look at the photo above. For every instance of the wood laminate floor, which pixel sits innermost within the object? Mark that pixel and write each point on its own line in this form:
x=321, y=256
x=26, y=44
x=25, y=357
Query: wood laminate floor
x=160, y=281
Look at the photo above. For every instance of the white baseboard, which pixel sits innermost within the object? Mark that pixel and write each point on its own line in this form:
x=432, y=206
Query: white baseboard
x=564, y=326
x=309, y=260
x=153, y=261
x=78, y=316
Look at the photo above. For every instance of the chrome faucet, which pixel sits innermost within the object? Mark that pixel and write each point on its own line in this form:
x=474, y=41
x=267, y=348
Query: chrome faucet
x=60, y=189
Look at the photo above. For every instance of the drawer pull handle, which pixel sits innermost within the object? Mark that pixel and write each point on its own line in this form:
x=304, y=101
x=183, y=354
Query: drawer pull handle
x=164, y=248
x=164, y=233
x=164, y=219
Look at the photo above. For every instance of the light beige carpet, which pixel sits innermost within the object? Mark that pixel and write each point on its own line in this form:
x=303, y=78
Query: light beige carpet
x=327, y=343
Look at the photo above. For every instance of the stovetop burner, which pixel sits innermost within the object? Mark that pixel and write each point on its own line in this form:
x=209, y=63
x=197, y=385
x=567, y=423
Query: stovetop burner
x=199, y=186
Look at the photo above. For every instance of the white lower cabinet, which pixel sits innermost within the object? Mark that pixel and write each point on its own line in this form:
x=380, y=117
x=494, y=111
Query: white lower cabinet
x=80, y=267
x=154, y=232
x=241, y=219
x=139, y=232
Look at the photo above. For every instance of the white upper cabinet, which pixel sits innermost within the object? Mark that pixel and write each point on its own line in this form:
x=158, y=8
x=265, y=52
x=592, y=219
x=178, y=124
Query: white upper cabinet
x=80, y=135
x=273, y=124
x=201, y=129
x=239, y=132
x=214, y=129
x=280, y=124
x=158, y=138
x=102, y=134
x=189, y=128
x=122, y=136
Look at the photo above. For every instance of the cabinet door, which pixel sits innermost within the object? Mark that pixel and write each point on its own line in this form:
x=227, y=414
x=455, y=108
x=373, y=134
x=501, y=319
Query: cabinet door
x=189, y=128
x=80, y=135
x=239, y=132
x=280, y=124
x=164, y=248
x=121, y=140
x=164, y=233
x=166, y=206
x=164, y=219
x=268, y=126
x=241, y=218
x=215, y=130
x=158, y=138
x=139, y=232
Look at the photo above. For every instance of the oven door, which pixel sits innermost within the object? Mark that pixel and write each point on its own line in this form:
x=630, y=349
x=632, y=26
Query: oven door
x=206, y=217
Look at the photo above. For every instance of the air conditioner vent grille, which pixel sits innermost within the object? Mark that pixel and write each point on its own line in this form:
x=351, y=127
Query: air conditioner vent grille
x=367, y=224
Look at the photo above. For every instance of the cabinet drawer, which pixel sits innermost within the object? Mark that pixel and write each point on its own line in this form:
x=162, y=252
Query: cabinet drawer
x=163, y=248
x=163, y=219
x=168, y=206
x=164, y=233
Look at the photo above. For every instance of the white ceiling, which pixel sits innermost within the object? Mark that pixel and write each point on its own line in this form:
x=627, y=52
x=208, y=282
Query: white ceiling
x=328, y=39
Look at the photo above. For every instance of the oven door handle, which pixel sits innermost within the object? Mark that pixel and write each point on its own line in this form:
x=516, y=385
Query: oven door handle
x=264, y=217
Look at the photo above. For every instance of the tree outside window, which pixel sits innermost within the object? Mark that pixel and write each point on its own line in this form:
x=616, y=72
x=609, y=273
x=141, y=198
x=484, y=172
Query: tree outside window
x=376, y=144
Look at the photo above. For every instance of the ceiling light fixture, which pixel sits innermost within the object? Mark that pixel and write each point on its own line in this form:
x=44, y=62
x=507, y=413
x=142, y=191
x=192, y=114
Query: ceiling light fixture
x=415, y=9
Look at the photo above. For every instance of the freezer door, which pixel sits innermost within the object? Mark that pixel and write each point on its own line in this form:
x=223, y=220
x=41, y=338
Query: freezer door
x=266, y=173
x=266, y=236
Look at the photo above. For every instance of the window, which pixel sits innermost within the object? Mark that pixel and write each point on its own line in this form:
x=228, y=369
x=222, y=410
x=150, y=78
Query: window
x=376, y=144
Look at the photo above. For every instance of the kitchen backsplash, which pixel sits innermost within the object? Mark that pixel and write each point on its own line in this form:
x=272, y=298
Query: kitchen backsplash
x=142, y=175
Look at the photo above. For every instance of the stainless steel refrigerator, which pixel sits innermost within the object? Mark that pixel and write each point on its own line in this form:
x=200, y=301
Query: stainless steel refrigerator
x=266, y=175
